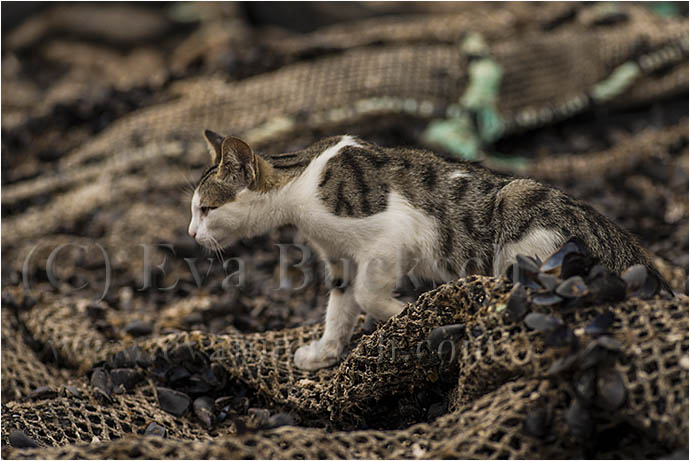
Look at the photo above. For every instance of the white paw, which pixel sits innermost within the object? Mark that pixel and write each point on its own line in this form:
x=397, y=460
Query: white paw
x=316, y=355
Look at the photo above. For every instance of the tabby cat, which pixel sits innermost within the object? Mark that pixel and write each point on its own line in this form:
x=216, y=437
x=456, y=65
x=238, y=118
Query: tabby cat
x=389, y=212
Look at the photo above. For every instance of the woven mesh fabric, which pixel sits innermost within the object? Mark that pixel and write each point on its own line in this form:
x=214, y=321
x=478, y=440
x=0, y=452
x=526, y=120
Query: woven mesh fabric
x=390, y=396
x=500, y=379
x=22, y=369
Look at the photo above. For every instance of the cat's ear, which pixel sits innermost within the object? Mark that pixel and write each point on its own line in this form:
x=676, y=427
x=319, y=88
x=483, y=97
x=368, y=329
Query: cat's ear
x=214, y=141
x=237, y=157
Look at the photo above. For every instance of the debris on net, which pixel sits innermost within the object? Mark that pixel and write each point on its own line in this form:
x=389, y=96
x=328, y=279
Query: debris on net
x=546, y=379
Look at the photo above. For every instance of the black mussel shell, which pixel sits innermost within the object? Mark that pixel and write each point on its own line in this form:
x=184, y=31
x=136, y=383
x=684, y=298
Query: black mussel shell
x=224, y=403
x=600, y=325
x=606, y=286
x=196, y=385
x=138, y=328
x=524, y=270
x=161, y=368
x=576, y=264
x=546, y=299
x=130, y=357
x=549, y=282
x=573, y=287
x=446, y=332
x=207, y=378
x=127, y=377
x=174, y=402
x=181, y=353
x=155, y=429
x=527, y=264
x=233, y=404
x=561, y=336
x=635, y=277
x=611, y=389
x=139, y=356
x=188, y=355
x=258, y=417
x=71, y=391
x=102, y=384
x=18, y=439
x=517, y=303
x=537, y=423
x=579, y=420
x=562, y=364
x=121, y=360
x=220, y=375
x=554, y=262
x=280, y=419
x=612, y=344
x=43, y=392
x=542, y=322
x=593, y=355
x=596, y=271
x=642, y=282
x=177, y=374
x=204, y=410
x=119, y=389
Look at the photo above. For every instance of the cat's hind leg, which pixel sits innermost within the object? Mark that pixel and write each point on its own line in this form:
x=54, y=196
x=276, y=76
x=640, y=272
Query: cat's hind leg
x=373, y=290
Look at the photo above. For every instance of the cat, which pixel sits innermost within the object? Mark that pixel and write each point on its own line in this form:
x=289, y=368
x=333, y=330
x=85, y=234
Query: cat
x=390, y=211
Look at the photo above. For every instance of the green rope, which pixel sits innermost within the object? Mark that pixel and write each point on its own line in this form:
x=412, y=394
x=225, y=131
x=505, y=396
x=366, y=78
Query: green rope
x=620, y=80
x=458, y=134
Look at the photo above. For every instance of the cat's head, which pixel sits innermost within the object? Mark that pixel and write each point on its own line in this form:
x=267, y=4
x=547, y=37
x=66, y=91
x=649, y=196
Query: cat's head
x=223, y=196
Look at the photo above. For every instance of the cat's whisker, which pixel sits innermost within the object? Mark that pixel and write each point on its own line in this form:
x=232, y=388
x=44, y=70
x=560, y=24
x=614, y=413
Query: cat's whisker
x=218, y=250
x=185, y=189
x=188, y=186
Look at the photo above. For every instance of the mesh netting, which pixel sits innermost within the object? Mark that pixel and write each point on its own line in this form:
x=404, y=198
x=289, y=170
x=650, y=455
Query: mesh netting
x=499, y=381
x=98, y=379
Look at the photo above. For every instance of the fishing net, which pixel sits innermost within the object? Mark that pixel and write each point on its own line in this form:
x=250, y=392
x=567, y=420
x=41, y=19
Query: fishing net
x=497, y=380
x=145, y=363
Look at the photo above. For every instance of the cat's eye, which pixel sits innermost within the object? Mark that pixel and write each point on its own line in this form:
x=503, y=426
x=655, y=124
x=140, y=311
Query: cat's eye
x=206, y=209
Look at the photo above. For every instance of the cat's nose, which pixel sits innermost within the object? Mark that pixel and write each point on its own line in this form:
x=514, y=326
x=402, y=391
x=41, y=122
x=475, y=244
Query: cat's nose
x=192, y=233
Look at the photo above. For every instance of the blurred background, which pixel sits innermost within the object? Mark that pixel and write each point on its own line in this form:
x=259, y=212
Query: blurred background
x=103, y=106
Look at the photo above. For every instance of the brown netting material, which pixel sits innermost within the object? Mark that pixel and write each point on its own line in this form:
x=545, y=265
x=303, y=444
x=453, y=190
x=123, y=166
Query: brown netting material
x=22, y=369
x=501, y=366
x=551, y=56
x=415, y=80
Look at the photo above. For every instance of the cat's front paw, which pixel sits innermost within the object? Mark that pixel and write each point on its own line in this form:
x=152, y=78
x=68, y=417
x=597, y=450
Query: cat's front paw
x=317, y=355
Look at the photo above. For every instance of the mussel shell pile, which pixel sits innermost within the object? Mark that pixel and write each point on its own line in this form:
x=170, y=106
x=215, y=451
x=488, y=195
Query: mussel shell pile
x=568, y=279
x=187, y=384
x=572, y=277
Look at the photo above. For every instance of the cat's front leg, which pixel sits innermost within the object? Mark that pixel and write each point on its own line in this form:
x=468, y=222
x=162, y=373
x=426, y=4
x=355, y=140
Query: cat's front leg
x=341, y=314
